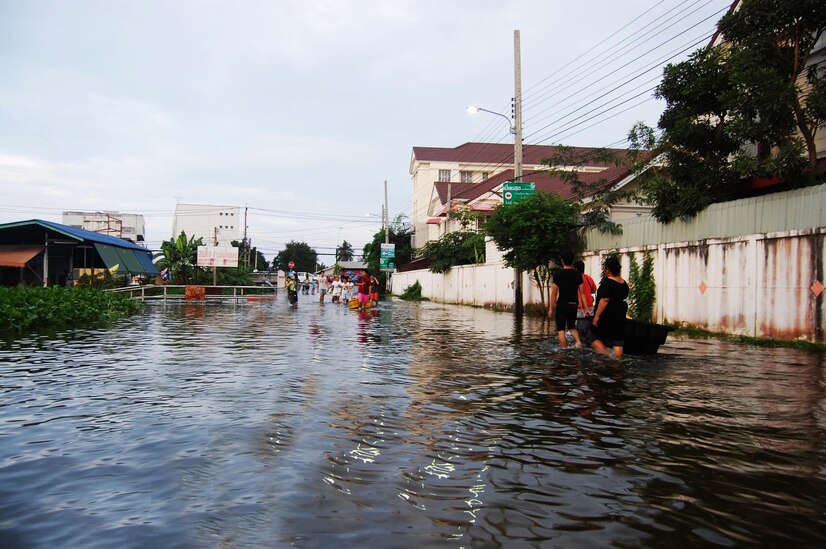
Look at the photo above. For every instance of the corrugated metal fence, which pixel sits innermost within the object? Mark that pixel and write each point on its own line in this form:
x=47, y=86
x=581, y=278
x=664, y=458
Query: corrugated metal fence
x=786, y=211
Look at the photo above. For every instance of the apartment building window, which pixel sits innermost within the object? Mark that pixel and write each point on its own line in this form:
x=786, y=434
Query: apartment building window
x=444, y=175
x=466, y=177
x=485, y=175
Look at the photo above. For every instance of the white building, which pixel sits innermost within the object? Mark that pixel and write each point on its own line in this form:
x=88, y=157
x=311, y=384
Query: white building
x=212, y=223
x=473, y=174
x=129, y=226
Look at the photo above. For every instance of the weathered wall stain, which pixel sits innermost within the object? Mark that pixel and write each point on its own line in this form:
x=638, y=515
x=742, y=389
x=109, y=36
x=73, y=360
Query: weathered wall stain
x=756, y=285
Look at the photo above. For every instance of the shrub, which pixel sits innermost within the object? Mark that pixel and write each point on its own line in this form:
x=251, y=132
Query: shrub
x=413, y=293
x=643, y=292
x=26, y=309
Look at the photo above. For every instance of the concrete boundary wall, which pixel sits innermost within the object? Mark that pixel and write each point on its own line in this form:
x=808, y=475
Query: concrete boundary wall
x=760, y=285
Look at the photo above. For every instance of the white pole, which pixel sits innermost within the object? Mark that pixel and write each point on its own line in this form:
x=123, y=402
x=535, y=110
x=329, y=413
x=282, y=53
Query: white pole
x=517, y=151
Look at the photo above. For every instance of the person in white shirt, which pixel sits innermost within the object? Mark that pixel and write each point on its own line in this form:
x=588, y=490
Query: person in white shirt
x=336, y=294
x=322, y=288
x=345, y=291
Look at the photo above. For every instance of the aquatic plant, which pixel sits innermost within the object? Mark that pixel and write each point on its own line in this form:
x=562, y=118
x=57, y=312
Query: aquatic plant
x=24, y=309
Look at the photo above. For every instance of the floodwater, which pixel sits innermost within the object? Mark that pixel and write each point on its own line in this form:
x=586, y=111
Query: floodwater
x=424, y=425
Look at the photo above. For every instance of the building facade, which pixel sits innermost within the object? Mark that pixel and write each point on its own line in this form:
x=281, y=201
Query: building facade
x=473, y=174
x=132, y=227
x=216, y=225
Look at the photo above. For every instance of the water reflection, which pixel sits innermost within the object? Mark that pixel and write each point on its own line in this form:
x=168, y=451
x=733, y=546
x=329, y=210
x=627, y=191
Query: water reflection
x=259, y=425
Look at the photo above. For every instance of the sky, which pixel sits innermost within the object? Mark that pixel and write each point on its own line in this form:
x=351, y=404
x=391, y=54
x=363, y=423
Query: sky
x=298, y=111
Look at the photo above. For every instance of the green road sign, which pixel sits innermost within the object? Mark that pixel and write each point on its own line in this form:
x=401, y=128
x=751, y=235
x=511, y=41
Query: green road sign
x=514, y=191
x=388, y=250
x=387, y=264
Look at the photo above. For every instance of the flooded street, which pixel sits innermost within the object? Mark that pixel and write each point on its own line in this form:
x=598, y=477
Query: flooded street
x=419, y=425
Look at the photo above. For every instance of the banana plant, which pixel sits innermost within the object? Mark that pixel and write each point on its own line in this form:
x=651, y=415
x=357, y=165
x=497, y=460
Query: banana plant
x=180, y=256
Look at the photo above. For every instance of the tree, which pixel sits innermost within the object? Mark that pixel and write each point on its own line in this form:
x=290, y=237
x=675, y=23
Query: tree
x=304, y=257
x=455, y=248
x=533, y=232
x=400, y=235
x=344, y=252
x=180, y=256
x=257, y=259
x=748, y=108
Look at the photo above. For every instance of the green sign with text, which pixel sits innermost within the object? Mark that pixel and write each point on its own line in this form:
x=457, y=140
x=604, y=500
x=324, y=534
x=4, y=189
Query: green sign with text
x=514, y=191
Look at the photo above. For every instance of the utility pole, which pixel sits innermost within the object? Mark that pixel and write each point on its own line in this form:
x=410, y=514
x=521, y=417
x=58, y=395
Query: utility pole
x=246, y=244
x=386, y=216
x=517, y=151
x=214, y=268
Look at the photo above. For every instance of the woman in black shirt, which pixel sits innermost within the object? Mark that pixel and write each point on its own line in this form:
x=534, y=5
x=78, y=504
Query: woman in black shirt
x=610, y=309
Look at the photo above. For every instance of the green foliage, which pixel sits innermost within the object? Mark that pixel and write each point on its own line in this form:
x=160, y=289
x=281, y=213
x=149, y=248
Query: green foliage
x=413, y=293
x=643, y=292
x=25, y=309
x=533, y=233
x=751, y=99
x=400, y=235
x=456, y=248
x=257, y=259
x=180, y=256
x=304, y=257
x=567, y=164
x=466, y=217
x=344, y=252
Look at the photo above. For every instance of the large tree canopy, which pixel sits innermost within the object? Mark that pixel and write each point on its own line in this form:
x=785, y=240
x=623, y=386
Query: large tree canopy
x=304, y=257
x=750, y=107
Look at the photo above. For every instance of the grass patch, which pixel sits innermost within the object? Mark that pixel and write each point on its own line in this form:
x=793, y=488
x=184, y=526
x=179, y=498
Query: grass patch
x=696, y=332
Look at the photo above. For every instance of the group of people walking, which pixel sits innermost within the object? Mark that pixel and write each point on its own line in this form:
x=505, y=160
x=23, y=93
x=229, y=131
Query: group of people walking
x=342, y=289
x=572, y=298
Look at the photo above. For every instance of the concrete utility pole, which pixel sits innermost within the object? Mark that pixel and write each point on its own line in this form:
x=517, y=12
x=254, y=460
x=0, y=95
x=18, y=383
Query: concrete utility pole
x=246, y=244
x=517, y=151
x=214, y=268
x=386, y=216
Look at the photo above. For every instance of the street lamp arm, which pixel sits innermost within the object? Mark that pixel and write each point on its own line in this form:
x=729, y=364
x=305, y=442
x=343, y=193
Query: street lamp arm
x=473, y=109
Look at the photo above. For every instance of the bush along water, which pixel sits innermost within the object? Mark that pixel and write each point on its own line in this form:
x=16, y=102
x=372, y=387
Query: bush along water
x=25, y=309
x=643, y=292
x=413, y=293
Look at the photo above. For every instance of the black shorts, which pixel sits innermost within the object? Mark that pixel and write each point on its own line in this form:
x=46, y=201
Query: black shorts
x=565, y=316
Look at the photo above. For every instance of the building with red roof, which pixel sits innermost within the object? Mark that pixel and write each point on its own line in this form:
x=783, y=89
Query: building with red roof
x=471, y=175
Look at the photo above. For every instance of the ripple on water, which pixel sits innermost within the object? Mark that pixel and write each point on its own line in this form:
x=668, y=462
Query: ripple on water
x=424, y=424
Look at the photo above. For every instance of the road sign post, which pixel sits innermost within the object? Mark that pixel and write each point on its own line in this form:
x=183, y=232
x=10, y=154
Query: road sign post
x=387, y=260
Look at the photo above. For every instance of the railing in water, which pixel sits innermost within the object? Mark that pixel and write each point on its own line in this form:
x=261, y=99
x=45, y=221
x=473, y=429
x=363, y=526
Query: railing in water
x=198, y=293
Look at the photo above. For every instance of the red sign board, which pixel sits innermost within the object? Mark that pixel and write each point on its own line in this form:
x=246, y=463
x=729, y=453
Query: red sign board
x=291, y=265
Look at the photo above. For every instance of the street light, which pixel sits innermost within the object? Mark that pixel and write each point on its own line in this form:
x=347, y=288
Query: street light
x=473, y=109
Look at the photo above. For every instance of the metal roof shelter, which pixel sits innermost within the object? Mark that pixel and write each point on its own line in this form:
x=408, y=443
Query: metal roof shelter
x=47, y=252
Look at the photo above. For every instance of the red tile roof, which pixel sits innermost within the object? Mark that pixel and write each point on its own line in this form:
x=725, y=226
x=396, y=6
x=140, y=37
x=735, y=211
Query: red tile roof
x=496, y=153
x=546, y=182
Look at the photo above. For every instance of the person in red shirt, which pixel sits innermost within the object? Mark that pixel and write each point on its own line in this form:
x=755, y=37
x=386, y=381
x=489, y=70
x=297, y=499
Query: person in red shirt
x=363, y=285
x=588, y=285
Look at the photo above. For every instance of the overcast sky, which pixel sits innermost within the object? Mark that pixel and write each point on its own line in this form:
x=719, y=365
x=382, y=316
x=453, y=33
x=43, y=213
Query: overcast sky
x=301, y=109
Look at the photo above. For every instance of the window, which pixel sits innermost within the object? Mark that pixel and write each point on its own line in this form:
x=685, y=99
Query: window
x=444, y=175
x=485, y=175
x=467, y=177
